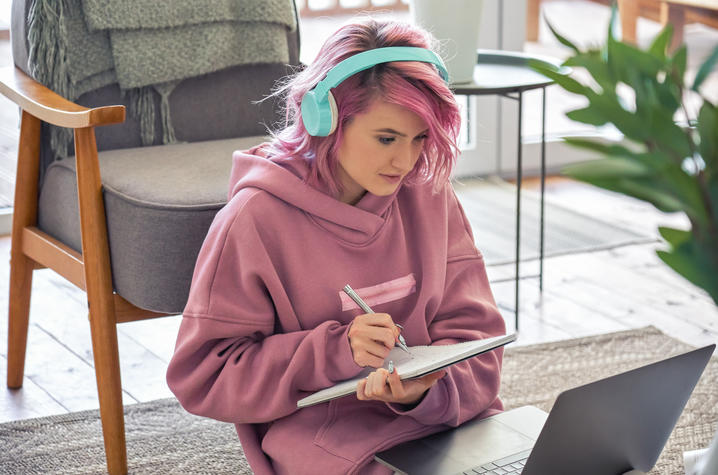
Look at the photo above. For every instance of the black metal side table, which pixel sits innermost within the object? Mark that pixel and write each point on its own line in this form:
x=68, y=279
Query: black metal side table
x=508, y=74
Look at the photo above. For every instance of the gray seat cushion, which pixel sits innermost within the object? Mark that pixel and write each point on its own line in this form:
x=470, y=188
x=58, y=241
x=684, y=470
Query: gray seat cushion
x=159, y=203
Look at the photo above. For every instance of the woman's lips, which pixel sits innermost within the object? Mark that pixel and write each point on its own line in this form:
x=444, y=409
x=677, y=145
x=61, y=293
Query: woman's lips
x=393, y=179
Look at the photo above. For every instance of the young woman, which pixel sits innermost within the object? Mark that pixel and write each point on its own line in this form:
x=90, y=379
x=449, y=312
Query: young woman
x=368, y=204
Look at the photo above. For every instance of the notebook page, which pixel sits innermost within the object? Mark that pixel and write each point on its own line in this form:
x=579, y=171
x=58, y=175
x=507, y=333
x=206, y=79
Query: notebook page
x=419, y=361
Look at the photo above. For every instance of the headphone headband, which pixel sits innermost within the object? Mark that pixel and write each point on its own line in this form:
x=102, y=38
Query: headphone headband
x=319, y=110
x=367, y=59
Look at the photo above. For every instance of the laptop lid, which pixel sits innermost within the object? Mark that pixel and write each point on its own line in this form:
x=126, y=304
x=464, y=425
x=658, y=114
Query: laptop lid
x=618, y=423
x=610, y=426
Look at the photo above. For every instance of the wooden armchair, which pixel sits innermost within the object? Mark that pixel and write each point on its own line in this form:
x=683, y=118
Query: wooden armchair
x=32, y=248
x=123, y=222
x=676, y=12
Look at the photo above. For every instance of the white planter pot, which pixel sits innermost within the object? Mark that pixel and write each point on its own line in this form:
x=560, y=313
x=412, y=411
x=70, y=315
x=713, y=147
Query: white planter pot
x=455, y=23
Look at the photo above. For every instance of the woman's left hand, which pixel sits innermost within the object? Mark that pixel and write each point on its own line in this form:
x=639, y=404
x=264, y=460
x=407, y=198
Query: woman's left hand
x=382, y=386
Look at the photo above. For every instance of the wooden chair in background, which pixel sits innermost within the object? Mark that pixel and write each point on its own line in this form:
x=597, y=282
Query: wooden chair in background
x=676, y=12
x=123, y=222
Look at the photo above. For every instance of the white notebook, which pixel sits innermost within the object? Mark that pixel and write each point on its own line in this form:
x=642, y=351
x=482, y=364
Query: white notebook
x=420, y=360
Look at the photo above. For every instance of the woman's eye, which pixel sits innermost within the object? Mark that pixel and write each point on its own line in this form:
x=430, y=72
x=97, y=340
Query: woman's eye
x=422, y=137
x=386, y=140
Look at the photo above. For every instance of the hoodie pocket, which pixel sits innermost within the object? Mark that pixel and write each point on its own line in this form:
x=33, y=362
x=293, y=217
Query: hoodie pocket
x=381, y=293
x=354, y=430
x=328, y=421
x=346, y=432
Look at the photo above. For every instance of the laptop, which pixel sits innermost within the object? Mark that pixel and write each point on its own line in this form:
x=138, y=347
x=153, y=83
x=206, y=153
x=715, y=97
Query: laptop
x=611, y=426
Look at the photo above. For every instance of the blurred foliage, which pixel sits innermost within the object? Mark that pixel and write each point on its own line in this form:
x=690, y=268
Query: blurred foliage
x=671, y=165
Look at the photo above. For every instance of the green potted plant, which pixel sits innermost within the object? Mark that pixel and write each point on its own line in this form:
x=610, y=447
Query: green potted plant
x=672, y=165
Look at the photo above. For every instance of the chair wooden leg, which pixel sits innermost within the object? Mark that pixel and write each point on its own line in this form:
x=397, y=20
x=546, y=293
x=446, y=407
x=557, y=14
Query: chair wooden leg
x=21, y=267
x=18, y=317
x=109, y=386
x=533, y=19
x=676, y=16
x=98, y=280
x=628, y=11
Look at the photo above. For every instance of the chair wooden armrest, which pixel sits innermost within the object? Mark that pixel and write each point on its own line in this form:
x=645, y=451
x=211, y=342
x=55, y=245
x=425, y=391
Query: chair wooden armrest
x=49, y=106
x=32, y=248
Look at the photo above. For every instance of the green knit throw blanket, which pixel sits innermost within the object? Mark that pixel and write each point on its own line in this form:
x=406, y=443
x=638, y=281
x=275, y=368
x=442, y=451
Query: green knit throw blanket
x=147, y=47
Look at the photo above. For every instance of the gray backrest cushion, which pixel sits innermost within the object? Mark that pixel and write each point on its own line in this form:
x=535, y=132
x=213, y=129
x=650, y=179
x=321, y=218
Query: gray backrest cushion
x=215, y=106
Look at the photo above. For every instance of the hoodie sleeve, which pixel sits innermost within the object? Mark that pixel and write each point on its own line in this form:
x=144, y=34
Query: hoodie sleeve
x=467, y=312
x=229, y=364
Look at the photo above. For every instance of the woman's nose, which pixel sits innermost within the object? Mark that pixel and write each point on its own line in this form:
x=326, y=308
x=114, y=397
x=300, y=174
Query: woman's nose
x=405, y=158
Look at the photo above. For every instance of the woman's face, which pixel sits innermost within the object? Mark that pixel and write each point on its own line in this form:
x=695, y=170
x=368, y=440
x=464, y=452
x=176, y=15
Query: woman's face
x=379, y=147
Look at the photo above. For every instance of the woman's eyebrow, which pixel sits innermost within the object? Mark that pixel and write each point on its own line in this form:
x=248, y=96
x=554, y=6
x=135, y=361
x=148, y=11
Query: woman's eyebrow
x=389, y=130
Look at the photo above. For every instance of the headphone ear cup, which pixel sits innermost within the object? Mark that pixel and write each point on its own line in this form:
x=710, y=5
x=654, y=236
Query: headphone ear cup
x=317, y=114
x=334, y=110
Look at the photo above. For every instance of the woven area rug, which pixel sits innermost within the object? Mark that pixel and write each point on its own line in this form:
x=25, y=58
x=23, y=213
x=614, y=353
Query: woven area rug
x=490, y=207
x=162, y=438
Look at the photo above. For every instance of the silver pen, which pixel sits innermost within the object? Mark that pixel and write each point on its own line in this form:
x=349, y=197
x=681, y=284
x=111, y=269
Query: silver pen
x=358, y=300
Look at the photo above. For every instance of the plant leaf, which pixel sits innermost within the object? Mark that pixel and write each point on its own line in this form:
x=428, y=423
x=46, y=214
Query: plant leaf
x=563, y=80
x=561, y=39
x=610, y=108
x=708, y=133
x=679, y=62
x=705, y=69
x=674, y=236
x=627, y=177
x=587, y=115
x=669, y=95
x=713, y=197
x=675, y=184
x=605, y=168
x=646, y=190
x=609, y=150
x=669, y=136
x=651, y=176
x=593, y=63
x=660, y=43
x=691, y=264
x=627, y=58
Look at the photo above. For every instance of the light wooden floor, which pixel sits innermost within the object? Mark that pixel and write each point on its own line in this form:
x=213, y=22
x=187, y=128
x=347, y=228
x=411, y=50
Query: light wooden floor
x=584, y=294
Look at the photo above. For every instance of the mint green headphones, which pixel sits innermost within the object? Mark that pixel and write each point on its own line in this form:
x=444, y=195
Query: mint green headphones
x=319, y=109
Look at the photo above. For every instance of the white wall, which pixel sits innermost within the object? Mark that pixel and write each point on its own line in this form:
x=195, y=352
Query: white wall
x=495, y=128
x=503, y=26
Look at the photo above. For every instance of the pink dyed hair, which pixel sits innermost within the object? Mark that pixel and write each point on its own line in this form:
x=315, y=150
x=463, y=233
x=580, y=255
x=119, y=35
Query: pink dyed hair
x=414, y=85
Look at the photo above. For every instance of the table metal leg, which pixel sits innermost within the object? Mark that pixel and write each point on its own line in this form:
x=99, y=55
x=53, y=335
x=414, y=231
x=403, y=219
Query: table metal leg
x=543, y=185
x=519, y=173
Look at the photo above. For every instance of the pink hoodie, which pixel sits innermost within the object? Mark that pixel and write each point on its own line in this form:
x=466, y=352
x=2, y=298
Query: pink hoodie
x=266, y=322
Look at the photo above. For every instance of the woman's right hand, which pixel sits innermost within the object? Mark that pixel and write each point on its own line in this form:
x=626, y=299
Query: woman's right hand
x=371, y=337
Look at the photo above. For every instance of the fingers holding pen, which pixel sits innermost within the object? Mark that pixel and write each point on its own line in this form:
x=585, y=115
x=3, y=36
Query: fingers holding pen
x=371, y=337
x=377, y=326
x=372, y=356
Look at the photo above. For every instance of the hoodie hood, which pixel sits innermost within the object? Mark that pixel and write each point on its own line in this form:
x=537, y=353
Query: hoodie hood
x=286, y=179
